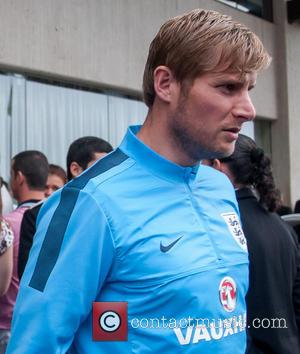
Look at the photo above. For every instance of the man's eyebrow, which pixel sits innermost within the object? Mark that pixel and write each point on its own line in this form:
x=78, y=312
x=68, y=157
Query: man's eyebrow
x=235, y=79
x=229, y=77
x=230, y=80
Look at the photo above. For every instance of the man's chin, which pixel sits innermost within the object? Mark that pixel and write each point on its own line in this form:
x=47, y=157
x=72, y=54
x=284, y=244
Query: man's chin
x=227, y=150
x=224, y=151
x=208, y=155
x=219, y=152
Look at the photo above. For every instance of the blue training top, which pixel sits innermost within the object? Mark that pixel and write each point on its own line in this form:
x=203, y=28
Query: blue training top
x=136, y=227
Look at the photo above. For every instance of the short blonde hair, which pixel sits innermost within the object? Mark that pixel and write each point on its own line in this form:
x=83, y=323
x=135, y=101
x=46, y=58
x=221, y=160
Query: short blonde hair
x=202, y=41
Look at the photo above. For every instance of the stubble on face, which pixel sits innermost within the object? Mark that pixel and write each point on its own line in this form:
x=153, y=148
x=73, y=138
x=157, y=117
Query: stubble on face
x=189, y=139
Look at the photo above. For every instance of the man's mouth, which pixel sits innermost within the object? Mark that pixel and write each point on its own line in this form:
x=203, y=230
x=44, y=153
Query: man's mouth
x=233, y=132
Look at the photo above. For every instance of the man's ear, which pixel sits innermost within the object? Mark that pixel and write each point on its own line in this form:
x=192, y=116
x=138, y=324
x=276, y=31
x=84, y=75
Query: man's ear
x=163, y=80
x=75, y=169
x=20, y=178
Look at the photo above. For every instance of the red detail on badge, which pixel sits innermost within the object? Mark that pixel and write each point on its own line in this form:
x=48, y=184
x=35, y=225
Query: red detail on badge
x=110, y=321
x=228, y=294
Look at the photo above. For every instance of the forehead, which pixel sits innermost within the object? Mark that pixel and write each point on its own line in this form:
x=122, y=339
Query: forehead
x=54, y=179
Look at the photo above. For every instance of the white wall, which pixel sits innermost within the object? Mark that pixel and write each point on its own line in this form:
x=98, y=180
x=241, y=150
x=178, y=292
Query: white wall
x=104, y=43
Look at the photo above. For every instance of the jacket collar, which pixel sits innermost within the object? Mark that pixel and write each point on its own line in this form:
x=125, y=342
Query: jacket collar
x=155, y=163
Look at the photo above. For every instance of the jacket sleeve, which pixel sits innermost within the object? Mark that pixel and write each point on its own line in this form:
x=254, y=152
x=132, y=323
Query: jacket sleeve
x=71, y=256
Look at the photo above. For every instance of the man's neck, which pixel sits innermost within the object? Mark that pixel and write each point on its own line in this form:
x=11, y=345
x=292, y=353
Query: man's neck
x=155, y=134
x=31, y=195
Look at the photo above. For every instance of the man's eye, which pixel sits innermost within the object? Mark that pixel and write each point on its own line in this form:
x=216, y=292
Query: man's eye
x=228, y=88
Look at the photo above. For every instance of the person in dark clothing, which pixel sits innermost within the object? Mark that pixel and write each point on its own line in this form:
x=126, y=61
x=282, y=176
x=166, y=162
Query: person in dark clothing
x=82, y=153
x=284, y=210
x=297, y=207
x=273, y=299
x=28, y=228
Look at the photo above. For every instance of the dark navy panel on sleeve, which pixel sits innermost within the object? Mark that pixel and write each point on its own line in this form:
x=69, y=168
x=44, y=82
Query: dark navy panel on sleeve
x=55, y=234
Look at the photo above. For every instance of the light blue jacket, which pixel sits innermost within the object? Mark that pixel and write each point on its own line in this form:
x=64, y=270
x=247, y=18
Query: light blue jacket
x=137, y=228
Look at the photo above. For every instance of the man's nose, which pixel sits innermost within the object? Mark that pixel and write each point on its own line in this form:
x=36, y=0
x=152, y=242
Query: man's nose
x=244, y=108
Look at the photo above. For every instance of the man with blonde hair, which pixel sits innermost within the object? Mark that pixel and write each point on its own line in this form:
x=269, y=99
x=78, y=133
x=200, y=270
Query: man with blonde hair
x=148, y=234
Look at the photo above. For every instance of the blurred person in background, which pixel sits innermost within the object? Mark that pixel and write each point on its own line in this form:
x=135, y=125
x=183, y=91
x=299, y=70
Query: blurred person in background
x=297, y=207
x=297, y=211
x=7, y=200
x=57, y=178
x=29, y=172
x=82, y=153
x=284, y=210
x=274, y=288
x=6, y=267
x=6, y=263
